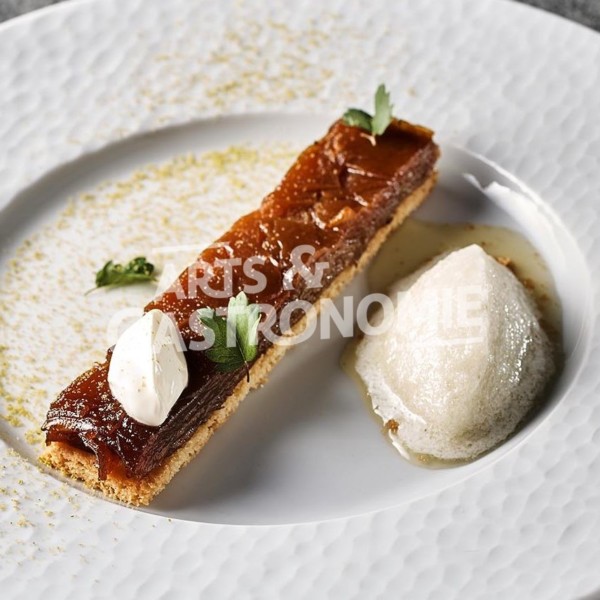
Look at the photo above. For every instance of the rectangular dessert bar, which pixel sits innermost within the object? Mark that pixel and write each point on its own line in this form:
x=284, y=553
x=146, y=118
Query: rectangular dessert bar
x=342, y=196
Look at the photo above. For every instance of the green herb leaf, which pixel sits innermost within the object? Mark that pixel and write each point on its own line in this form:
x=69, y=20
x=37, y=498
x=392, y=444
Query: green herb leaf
x=358, y=118
x=113, y=274
x=373, y=124
x=383, y=111
x=236, y=336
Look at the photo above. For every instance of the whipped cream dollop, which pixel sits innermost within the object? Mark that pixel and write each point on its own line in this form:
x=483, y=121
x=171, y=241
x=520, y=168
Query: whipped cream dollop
x=463, y=362
x=148, y=371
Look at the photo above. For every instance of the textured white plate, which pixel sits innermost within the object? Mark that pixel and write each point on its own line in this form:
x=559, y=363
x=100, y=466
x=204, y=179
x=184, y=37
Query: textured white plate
x=512, y=84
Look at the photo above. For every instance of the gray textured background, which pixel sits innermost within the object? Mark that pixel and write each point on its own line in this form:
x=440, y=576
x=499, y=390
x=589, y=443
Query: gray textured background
x=582, y=11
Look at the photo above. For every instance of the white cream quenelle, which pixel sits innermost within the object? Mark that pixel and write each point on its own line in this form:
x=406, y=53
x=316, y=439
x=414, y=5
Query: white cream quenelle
x=148, y=371
x=463, y=361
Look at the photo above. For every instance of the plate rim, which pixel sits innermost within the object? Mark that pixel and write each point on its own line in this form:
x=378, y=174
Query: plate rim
x=32, y=20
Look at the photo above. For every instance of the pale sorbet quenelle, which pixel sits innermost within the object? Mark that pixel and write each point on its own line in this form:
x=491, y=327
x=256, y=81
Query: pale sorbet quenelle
x=463, y=360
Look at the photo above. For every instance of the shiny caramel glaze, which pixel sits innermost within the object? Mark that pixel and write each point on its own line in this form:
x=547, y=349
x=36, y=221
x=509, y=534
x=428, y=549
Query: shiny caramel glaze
x=335, y=197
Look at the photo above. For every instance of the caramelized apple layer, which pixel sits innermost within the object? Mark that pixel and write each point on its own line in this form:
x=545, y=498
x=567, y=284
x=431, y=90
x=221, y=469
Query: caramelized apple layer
x=340, y=191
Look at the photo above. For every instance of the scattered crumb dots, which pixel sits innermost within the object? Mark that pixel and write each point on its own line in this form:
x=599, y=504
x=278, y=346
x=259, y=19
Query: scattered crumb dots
x=34, y=437
x=235, y=70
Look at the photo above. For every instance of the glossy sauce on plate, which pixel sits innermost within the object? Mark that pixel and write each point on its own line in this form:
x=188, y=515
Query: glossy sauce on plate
x=416, y=242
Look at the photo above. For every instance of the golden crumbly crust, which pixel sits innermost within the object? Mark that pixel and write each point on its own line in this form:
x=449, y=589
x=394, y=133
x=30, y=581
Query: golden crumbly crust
x=81, y=465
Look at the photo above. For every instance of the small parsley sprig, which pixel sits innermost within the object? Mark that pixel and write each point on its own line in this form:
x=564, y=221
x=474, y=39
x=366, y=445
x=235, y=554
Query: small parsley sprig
x=373, y=124
x=235, y=336
x=112, y=274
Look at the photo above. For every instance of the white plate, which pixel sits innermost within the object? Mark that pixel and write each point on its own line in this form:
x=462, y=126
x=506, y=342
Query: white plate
x=490, y=77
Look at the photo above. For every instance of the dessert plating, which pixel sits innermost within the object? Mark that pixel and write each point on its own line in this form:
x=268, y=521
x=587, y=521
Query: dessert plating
x=343, y=196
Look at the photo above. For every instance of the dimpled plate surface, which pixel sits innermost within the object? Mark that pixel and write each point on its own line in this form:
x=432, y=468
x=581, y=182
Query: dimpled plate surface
x=514, y=84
